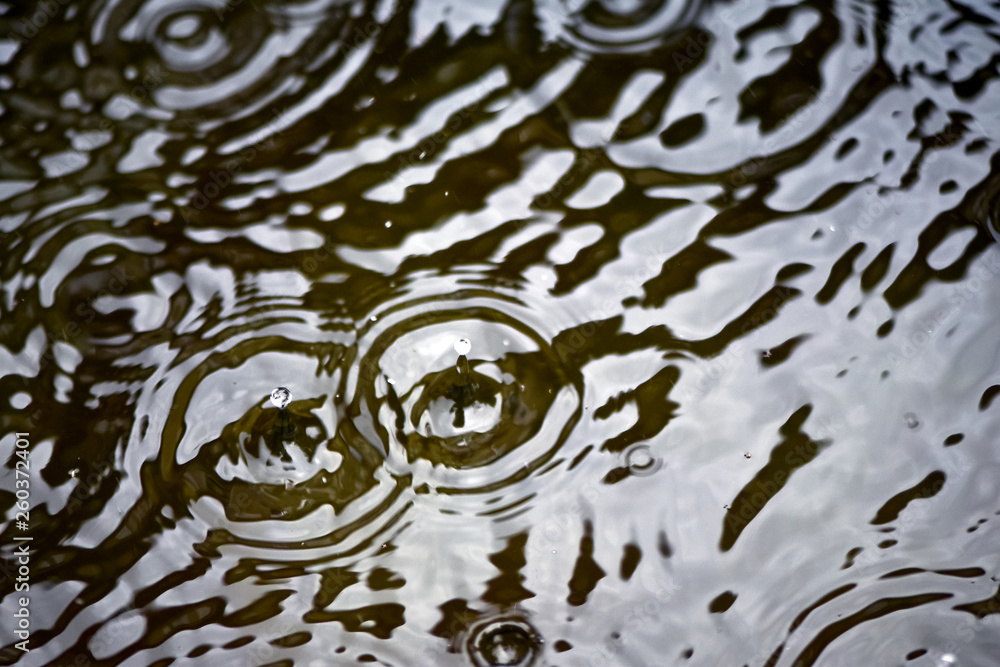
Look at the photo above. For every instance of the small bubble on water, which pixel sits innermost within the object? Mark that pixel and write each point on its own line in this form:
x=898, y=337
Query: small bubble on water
x=911, y=420
x=640, y=461
x=462, y=346
x=280, y=398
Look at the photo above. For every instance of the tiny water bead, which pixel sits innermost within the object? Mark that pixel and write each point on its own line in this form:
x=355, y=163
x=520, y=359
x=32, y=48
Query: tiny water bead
x=504, y=643
x=280, y=398
x=463, y=346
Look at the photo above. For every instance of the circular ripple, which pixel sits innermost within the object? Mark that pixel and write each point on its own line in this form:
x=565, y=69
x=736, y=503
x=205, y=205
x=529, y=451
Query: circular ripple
x=623, y=26
x=641, y=462
x=201, y=55
x=507, y=642
x=188, y=41
x=262, y=452
x=284, y=446
x=462, y=422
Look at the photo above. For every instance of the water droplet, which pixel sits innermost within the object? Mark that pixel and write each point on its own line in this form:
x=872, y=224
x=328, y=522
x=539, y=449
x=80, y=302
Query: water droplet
x=388, y=224
x=281, y=397
x=462, y=346
x=911, y=420
x=504, y=643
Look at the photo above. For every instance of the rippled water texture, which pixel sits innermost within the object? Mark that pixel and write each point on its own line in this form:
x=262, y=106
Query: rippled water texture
x=601, y=333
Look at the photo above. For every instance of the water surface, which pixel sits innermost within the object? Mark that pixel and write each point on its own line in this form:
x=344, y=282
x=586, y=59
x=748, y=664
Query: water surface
x=622, y=333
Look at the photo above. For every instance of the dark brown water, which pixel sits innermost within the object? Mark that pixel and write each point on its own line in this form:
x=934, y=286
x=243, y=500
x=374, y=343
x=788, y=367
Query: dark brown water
x=615, y=334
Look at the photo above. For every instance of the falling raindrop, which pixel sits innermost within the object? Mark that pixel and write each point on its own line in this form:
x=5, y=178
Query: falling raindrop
x=281, y=397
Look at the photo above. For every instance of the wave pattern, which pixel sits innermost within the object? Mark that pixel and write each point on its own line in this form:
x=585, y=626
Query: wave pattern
x=615, y=332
